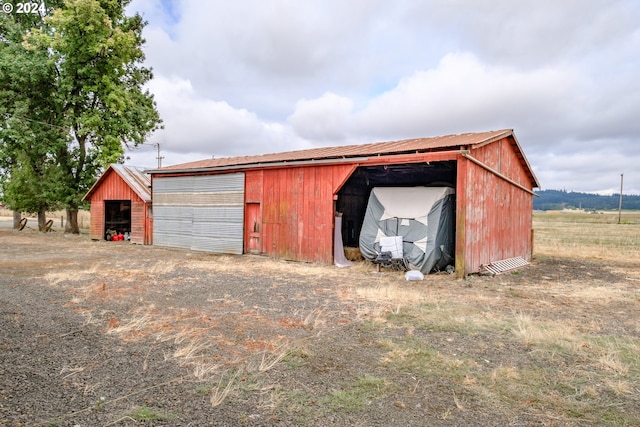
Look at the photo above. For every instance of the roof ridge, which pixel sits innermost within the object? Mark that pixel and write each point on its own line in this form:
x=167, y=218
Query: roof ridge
x=346, y=151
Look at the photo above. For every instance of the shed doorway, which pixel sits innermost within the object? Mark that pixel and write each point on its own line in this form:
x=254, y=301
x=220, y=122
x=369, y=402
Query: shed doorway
x=117, y=217
x=354, y=194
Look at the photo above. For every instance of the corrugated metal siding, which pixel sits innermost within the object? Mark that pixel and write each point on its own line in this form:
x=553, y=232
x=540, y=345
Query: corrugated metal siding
x=113, y=187
x=199, y=212
x=497, y=214
x=172, y=226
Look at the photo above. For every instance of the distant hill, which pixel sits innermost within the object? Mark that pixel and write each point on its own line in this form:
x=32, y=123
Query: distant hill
x=559, y=199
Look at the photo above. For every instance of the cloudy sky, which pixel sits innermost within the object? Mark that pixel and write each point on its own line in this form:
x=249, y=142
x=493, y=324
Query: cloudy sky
x=250, y=77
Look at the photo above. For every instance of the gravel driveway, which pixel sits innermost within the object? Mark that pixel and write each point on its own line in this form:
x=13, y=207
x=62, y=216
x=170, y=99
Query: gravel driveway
x=115, y=334
x=97, y=333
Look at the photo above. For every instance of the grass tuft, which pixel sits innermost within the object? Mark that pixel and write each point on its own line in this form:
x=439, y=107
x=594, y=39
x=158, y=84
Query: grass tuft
x=144, y=413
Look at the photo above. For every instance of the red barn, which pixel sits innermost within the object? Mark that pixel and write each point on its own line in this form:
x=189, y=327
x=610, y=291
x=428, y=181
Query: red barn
x=121, y=202
x=284, y=205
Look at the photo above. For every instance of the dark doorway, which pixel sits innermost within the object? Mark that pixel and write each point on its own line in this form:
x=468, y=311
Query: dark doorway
x=354, y=194
x=117, y=217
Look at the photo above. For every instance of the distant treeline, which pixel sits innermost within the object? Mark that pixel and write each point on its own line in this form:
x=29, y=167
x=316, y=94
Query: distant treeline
x=560, y=199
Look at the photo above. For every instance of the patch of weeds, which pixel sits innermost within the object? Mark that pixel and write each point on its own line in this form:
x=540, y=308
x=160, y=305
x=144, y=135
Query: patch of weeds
x=441, y=317
x=356, y=396
x=551, y=389
x=204, y=389
x=100, y=404
x=614, y=419
x=515, y=293
x=54, y=422
x=402, y=317
x=414, y=355
x=294, y=404
x=346, y=400
x=625, y=351
x=297, y=358
x=373, y=327
x=144, y=413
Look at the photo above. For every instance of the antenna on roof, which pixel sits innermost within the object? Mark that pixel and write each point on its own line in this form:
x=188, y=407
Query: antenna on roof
x=157, y=144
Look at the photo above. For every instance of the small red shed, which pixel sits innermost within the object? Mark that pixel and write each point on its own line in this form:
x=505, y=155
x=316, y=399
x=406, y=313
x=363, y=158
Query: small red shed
x=284, y=204
x=121, y=202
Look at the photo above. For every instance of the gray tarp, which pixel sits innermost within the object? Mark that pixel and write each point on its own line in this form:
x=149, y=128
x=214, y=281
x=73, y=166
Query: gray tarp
x=423, y=216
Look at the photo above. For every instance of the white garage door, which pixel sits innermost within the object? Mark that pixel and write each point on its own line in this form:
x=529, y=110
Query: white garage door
x=204, y=213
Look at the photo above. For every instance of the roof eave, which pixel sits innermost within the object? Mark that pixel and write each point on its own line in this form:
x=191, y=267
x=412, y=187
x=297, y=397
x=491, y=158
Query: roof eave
x=506, y=134
x=145, y=197
x=262, y=165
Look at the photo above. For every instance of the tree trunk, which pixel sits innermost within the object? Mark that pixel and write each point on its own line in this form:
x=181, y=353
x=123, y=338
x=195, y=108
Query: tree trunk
x=42, y=218
x=72, y=221
x=17, y=216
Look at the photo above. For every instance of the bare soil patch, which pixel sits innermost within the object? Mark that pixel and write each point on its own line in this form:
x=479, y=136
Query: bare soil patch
x=114, y=334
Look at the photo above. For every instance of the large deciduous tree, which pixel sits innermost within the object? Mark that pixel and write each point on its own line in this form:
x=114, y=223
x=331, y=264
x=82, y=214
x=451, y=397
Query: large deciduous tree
x=30, y=126
x=98, y=100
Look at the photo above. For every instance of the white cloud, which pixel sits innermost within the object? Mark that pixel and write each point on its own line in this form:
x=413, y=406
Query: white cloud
x=247, y=77
x=462, y=94
x=459, y=95
x=600, y=168
x=326, y=118
x=200, y=125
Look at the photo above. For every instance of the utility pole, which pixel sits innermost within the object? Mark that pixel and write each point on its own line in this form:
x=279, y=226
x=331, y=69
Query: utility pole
x=620, y=205
x=159, y=157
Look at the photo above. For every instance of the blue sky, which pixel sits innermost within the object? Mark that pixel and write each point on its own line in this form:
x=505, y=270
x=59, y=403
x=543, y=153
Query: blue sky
x=252, y=77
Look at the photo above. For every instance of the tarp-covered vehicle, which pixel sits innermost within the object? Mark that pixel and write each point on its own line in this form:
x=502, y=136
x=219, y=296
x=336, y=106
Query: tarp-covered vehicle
x=413, y=223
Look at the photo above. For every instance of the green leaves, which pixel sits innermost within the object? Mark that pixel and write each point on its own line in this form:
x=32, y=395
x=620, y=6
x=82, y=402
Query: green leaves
x=74, y=81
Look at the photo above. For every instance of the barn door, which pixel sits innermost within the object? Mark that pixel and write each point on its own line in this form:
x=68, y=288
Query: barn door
x=253, y=228
x=203, y=213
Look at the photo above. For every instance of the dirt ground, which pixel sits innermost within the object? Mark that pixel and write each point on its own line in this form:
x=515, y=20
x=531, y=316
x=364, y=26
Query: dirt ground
x=115, y=334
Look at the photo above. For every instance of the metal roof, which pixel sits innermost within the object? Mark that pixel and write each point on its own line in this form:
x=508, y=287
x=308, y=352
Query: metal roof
x=408, y=146
x=134, y=177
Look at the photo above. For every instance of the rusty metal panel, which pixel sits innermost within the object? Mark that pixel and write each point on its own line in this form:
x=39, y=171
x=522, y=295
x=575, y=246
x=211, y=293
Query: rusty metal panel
x=342, y=152
x=197, y=198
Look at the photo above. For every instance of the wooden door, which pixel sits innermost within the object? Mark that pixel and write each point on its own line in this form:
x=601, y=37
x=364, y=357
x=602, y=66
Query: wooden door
x=253, y=228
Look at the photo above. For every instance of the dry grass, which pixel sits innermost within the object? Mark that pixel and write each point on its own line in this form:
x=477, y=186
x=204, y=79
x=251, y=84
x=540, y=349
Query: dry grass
x=534, y=332
x=583, y=235
x=565, y=351
x=579, y=366
x=58, y=218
